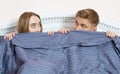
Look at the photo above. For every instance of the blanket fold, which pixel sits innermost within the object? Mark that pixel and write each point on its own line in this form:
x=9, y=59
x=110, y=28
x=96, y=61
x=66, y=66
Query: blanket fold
x=77, y=52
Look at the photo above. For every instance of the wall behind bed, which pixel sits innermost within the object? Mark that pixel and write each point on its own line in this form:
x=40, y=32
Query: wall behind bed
x=12, y=9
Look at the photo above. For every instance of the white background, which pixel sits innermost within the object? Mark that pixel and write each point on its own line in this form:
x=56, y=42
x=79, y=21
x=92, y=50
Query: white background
x=12, y=9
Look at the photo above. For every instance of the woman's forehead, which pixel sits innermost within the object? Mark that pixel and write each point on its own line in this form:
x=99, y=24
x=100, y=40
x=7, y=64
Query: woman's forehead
x=34, y=19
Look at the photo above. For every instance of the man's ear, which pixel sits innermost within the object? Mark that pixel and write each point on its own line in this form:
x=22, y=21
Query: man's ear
x=75, y=26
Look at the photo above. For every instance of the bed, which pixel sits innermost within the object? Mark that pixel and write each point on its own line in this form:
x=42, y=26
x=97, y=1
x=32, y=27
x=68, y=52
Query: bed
x=78, y=52
x=55, y=22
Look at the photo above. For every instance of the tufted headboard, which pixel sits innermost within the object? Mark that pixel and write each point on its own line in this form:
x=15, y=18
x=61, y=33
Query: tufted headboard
x=54, y=23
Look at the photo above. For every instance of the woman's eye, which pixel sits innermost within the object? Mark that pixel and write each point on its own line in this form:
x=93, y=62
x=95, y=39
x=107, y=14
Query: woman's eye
x=33, y=25
x=39, y=24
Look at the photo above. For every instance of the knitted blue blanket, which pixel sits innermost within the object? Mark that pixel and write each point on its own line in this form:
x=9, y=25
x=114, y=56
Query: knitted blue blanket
x=77, y=52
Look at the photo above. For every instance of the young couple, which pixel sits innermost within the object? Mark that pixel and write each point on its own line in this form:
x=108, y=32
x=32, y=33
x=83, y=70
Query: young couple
x=86, y=19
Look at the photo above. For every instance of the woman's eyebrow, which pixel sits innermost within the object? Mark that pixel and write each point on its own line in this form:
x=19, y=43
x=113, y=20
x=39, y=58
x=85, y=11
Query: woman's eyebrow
x=39, y=22
x=33, y=23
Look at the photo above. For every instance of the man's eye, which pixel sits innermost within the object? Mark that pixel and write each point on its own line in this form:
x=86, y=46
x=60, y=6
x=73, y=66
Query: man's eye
x=77, y=24
x=83, y=26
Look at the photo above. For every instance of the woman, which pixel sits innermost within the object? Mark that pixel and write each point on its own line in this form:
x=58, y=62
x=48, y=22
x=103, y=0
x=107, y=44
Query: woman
x=28, y=22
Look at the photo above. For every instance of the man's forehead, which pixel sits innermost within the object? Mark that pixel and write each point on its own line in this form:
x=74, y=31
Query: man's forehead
x=82, y=20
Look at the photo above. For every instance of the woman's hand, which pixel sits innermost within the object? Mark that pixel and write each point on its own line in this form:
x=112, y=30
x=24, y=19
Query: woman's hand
x=10, y=36
x=64, y=30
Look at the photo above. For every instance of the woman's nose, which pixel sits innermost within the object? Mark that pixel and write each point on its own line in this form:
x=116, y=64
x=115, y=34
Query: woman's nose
x=38, y=29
